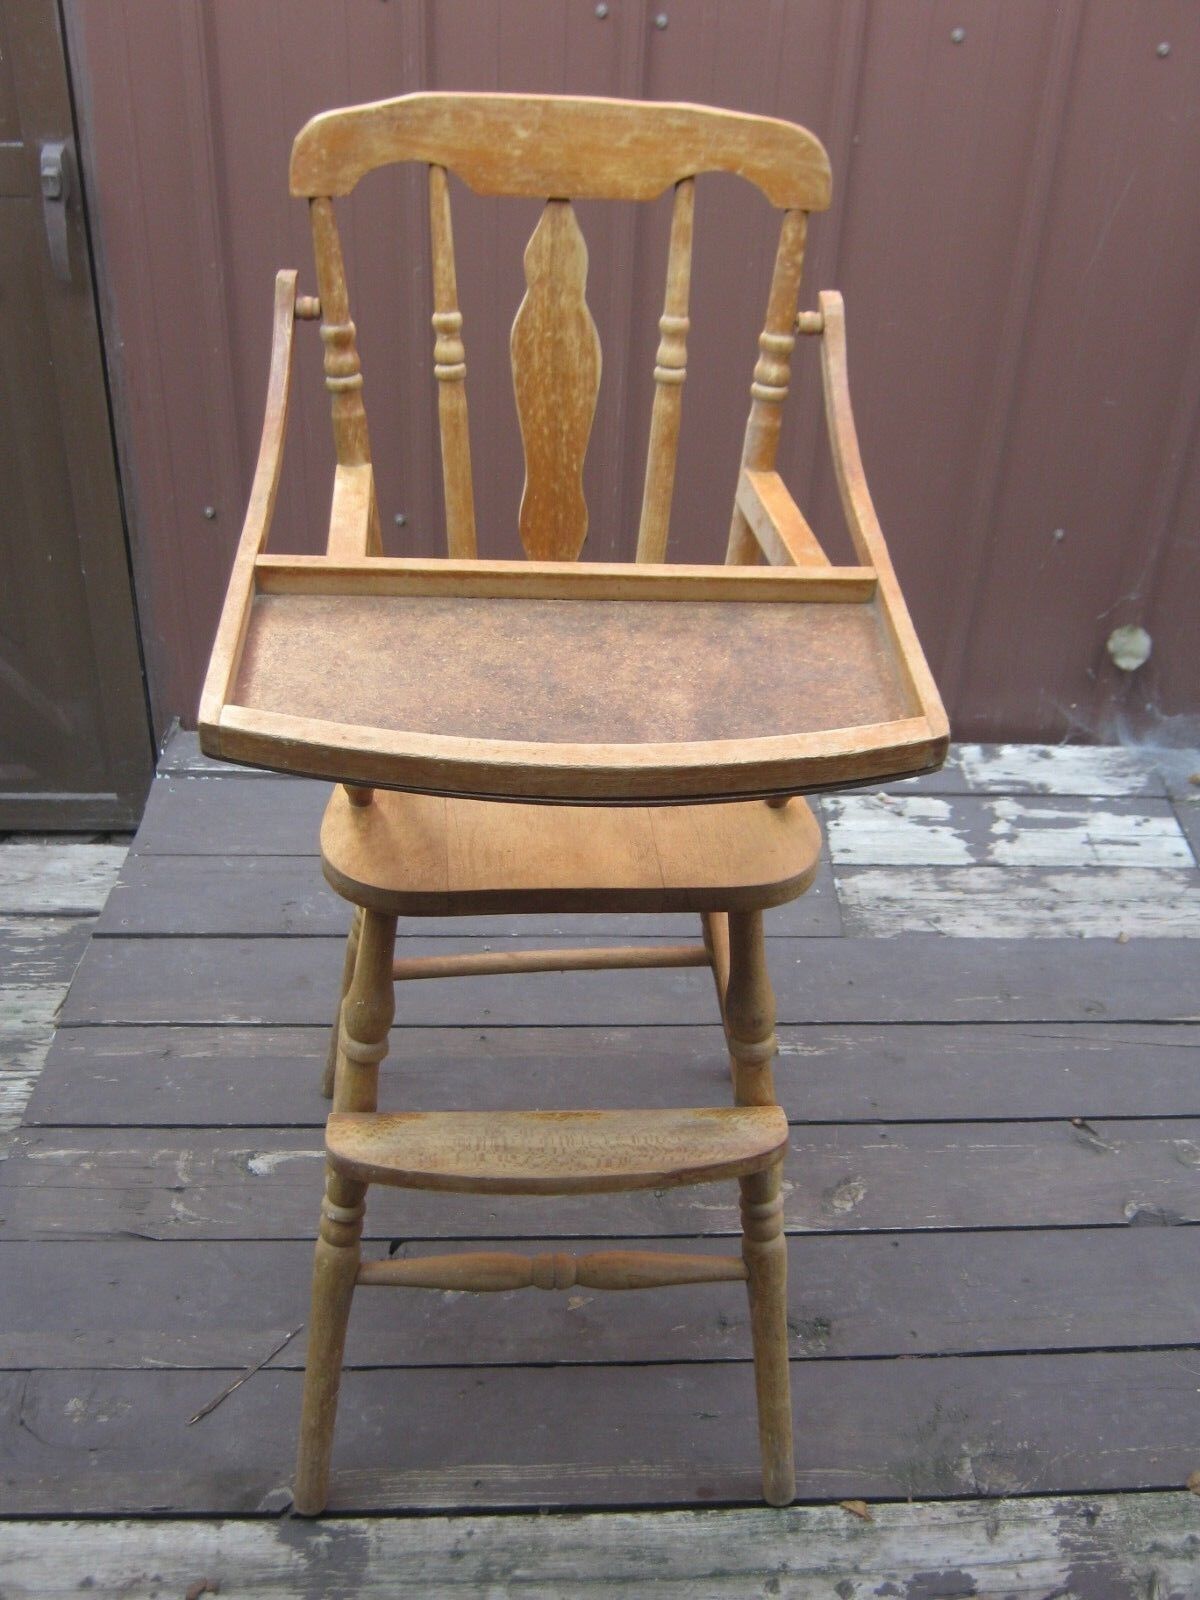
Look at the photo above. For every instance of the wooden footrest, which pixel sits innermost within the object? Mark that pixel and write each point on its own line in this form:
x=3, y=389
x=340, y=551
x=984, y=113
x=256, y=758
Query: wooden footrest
x=554, y=1152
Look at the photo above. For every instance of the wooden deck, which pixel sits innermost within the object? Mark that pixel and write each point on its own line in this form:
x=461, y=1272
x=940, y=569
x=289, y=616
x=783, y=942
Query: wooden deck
x=989, y=1024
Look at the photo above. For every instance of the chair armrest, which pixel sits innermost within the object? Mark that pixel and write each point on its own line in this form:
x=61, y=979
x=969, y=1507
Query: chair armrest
x=859, y=510
x=777, y=522
x=354, y=515
x=261, y=505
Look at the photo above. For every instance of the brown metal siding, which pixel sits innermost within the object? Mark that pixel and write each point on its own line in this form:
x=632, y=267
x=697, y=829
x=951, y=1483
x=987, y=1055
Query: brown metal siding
x=1015, y=228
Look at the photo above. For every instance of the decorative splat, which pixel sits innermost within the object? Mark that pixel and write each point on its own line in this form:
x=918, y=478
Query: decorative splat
x=556, y=378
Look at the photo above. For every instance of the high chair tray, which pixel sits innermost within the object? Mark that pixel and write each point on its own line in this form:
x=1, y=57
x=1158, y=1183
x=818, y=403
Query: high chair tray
x=569, y=681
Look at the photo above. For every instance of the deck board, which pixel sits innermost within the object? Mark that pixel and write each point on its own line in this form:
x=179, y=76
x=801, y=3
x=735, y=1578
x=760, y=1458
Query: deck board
x=119, y=1442
x=967, y=1261
x=235, y=1076
x=914, y=978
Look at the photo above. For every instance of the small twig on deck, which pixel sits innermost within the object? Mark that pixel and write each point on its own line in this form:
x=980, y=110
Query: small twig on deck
x=249, y=1373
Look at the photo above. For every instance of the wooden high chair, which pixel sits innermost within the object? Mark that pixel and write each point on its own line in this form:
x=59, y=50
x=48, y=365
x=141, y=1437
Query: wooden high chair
x=445, y=696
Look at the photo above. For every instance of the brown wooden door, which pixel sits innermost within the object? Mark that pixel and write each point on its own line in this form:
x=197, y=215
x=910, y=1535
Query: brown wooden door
x=75, y=743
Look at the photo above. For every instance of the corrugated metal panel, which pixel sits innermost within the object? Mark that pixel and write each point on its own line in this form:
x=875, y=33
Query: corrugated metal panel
x=1015, y=228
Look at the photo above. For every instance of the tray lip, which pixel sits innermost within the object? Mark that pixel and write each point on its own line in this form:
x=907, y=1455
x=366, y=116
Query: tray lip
x=701, y=770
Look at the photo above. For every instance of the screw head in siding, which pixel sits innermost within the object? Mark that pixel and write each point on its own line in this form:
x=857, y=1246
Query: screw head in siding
x=1164, y=49
x=400, y=519
x=660, y=20
x=601, y=10
x=957, y=35
x=1059, y=535
x=210, y=513
x=1129, y=647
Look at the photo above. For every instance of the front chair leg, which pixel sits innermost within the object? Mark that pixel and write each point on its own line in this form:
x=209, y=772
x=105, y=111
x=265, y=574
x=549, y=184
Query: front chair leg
x=367, y=1013
x=750, y=1030
x=335, y=1033
x=335, y=1270
x=764, y=1250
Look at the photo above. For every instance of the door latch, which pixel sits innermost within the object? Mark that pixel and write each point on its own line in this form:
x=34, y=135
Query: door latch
x=54, y=170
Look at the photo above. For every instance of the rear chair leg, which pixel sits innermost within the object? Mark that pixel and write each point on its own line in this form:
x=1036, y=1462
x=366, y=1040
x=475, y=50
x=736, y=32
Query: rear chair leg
x=716, y=941
x=367, y=1013
x=750, y=1029
x=335, y=1032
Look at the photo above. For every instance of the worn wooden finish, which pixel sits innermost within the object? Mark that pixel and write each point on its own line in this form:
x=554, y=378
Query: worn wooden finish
x=354, y=515
x=343, y=369
x=366, y=1017
x=493, y=724
x=1024, y=1549
x=874, y=1430
x=857, y=1179
x=557, y=146
x=777, y=522
x=555, y=1152
x=556, y=377
x=420, y=855
x=560, y=580
x=122, y=1303
x=670, y=370
x=772, y=374
x=495, y=1271
x=859, y=508
x=607, y=958
x=511, y=145
x=450, y=370
x=227, y=645
x=916, y=978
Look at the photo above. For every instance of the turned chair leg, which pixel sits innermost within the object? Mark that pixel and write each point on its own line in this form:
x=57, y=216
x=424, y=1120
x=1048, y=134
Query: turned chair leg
x=367, y=1013
x=750, y=1029
x=335, y=1033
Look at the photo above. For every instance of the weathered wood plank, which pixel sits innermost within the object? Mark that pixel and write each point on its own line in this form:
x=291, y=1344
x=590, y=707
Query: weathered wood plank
x=917, y=830
x=66, y=878
x=1020, y=902
x=265, y=1183
x=38, y=956
x=1187, y=812
x=163, y=1076
x=1104, y=1548
x=118, y=1442
x=231, y=814
x=125, y=1303
x=916, y=978
x=159, y=895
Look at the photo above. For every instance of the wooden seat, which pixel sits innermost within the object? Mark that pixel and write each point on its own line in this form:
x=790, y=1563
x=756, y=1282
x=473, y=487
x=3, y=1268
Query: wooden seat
x=554, y=1152
x=612, y=693
x=417, y=855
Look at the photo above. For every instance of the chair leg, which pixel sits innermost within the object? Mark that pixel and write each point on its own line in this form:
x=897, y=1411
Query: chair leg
x=764, y=1250
x=335, y=1033
x=367, y=1013
x=716, y=941
x=335, y=1269
x=750, y=1030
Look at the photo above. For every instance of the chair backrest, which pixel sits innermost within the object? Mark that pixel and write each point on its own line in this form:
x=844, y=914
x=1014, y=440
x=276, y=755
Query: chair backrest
x=559, y=149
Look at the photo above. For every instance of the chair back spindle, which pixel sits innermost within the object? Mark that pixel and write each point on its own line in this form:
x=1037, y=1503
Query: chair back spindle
x=772, y=374
x=450, y=370
x=670, y=370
